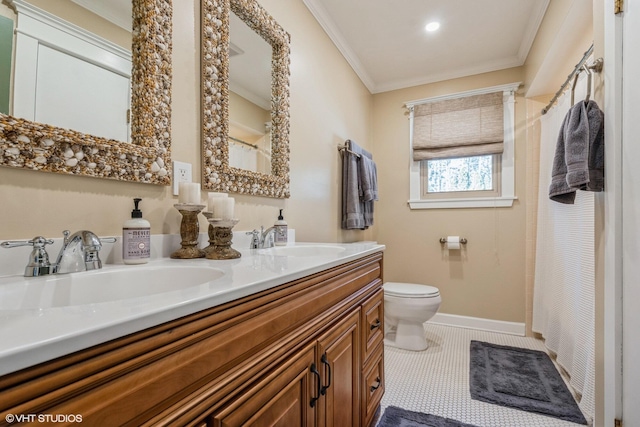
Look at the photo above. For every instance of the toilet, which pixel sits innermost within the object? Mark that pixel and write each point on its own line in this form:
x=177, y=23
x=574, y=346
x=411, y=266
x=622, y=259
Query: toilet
x=406, y=307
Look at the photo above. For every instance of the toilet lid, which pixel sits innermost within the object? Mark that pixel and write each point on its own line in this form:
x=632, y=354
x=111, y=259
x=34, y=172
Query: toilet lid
x=411, y=290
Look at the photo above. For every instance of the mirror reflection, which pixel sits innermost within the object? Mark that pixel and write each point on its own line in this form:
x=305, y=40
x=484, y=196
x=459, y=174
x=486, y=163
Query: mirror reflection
x=87, y=65
x=89, y=98
x=249, y=98
x=234, y=108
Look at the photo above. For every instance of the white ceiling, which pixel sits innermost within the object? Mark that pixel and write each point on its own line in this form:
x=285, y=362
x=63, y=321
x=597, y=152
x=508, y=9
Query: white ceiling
x=387, y=46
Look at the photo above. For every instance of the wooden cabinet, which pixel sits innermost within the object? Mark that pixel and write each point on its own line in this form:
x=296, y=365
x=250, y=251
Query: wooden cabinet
x=246, y=362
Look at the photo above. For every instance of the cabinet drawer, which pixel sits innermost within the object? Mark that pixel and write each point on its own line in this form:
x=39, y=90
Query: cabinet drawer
x=372, y=323
x=372, y=384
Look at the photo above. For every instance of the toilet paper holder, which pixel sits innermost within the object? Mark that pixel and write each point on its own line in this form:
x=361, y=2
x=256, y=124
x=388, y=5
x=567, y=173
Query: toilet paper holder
x=463, y=241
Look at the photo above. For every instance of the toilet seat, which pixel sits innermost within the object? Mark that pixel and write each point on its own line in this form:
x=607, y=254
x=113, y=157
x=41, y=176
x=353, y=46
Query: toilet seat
x=410, y=290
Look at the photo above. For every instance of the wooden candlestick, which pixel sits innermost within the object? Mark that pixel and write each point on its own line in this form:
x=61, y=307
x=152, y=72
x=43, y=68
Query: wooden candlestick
x=189, y=230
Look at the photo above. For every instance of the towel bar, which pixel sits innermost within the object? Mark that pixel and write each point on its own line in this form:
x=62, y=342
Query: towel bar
x=348, y=151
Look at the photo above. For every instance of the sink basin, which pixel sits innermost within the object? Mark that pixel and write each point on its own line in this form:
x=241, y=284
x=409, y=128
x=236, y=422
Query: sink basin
x=305, y=250
x=100, y=286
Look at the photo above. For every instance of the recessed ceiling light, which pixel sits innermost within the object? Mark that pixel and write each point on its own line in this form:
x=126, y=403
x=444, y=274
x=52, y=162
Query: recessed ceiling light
x=432, y=26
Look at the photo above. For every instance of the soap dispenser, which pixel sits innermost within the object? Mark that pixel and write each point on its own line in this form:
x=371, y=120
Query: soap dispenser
x=136, y=237
x=281, y=231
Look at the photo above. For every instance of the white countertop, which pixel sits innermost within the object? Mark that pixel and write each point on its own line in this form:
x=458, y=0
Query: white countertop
x=32, y=332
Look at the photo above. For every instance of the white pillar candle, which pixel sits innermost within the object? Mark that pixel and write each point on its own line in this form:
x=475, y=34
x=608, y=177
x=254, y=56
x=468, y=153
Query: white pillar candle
x=189, y=193
x=212, y=197
x=223, y=207
x=216, y=207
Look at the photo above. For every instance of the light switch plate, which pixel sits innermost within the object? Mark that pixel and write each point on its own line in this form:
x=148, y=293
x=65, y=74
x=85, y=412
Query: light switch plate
x=181, y=173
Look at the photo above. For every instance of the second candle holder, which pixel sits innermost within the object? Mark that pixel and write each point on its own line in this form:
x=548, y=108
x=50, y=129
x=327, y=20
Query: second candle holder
x=220, y=236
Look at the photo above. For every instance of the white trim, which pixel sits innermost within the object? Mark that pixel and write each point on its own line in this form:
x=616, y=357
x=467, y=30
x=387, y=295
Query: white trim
x=40, y=24
x=510, y=87
x=36, y=27
x=485, y=67
x=508, y=156
x=478, y=323
x=253, y=97
x=322, y=16
x=475, y=202
x=532, y=30
x=613, y=208
x=116, y=12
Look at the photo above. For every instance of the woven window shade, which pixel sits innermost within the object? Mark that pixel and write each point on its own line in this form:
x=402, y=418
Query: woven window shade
x=462, y=127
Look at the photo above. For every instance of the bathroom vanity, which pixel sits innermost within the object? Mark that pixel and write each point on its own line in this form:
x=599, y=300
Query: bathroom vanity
x=302, y=345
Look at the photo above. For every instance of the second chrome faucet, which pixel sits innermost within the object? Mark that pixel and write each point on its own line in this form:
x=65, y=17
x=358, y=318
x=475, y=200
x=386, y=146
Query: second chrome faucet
x=262, y=238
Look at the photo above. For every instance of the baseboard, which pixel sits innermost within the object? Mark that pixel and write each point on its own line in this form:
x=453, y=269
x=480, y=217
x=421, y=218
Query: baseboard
x=500, y=326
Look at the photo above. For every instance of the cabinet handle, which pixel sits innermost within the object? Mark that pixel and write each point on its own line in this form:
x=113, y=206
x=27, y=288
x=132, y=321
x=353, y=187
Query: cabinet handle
x=375, y=387
x=375, y=324
x=316, y=373
x=323, y=359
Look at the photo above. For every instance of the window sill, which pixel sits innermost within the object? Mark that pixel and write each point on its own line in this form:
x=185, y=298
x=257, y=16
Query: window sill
x=479, y=202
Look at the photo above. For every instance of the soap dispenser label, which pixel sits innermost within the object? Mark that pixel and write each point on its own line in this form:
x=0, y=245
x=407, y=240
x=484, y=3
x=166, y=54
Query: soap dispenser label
x=137, y=243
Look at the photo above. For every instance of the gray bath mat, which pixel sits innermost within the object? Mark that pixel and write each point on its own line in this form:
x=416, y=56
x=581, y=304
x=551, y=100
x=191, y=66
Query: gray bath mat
x=520, y=378
x=397, y=417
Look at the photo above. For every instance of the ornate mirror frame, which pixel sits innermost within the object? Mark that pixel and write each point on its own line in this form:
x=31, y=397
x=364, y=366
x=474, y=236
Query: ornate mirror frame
x=217, y=174
x=147, y=159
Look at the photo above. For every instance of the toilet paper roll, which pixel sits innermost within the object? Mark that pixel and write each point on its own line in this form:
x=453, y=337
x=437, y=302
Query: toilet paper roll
x=453, y=243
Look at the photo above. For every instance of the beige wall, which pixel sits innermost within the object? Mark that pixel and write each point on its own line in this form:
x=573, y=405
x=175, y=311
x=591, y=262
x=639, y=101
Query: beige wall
x=487, y=279
x=247, y=114
x=328, y=105
x=565, y=33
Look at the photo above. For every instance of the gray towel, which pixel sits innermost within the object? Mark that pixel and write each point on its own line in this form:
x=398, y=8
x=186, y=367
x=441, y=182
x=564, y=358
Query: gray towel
x=368, y=178
x=358, y=183
x=579, y=159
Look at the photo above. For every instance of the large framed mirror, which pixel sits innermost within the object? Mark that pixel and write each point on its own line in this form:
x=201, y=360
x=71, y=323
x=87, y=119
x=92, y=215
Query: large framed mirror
x=143, y=152
x=245, y=99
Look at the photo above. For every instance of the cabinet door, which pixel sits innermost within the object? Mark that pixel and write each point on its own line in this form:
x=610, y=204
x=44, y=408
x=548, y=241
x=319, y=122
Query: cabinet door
x=339, y=362
x=280, y=399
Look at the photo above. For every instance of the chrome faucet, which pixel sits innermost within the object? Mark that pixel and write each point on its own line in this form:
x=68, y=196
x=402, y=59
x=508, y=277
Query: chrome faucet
x=262, y=238
x=80, y=252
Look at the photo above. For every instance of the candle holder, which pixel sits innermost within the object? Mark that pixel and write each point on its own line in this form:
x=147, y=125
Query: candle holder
x=189, y=230
x=220, y=236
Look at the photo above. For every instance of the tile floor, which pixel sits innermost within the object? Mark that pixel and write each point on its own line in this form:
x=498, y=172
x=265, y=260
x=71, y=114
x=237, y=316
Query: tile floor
x=436, y=381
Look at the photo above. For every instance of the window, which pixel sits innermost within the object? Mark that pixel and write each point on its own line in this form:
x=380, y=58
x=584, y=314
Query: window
x=475, y=176
x=461, y=158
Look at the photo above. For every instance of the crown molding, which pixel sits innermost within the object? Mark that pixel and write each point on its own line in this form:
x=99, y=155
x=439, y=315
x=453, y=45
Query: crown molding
x=323, y=18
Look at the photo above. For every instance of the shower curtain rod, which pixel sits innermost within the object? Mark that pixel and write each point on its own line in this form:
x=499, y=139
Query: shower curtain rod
x=597, y=67
x=254, y=146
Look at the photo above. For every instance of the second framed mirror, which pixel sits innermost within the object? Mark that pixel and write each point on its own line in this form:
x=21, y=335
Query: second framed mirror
x=245, y=100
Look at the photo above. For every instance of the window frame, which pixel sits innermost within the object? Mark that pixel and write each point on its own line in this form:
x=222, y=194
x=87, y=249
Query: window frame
x=469, y=199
